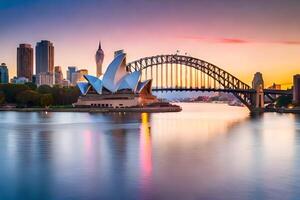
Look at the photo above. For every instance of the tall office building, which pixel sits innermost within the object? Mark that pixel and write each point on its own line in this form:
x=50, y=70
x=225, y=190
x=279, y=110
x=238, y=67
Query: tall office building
x=99, y=60
x=44, y=55
x=25, y=61
x=70, y=71
x=3, y=73
x=58, y=75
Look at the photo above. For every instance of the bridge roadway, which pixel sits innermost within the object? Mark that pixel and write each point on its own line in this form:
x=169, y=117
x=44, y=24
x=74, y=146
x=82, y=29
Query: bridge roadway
x=249, y=91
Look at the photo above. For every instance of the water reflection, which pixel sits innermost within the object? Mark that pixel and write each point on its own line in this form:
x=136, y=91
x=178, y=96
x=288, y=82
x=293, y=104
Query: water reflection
x=205, y=152
x=145, y=155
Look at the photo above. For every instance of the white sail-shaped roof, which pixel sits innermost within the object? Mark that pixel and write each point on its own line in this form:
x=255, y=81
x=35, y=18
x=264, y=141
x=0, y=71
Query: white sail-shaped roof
x=115, y=72
x=116, y=78
x=145, y=87
x=130, y=81
x=83, y=87
x=90, y=78
x=95, y=82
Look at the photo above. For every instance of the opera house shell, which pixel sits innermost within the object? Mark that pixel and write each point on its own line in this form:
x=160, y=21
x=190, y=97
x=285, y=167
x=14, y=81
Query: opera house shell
x=117, y=88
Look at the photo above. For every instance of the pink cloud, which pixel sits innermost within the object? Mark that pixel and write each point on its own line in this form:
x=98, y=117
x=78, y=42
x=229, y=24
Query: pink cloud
x=225, y=40
x=232, y=40
x=217, y=39
x=289, y=42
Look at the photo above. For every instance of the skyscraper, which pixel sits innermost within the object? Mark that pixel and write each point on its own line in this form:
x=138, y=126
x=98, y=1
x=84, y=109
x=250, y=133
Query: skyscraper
x=25, y=61
x=58, y=75
x=99, y=60
x=70, y=71
x=3, y=73
x=44, y=52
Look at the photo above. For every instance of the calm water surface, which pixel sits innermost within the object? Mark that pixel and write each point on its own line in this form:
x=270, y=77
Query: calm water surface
x=208, y=151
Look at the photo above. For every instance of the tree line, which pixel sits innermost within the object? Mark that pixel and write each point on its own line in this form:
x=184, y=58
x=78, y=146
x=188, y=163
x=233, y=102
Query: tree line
x=29, y=95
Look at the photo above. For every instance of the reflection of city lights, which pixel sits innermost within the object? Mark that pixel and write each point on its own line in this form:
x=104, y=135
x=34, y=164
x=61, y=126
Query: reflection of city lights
x=145, y=119
x=87, y=139
x=145, y=148
x=290, y=106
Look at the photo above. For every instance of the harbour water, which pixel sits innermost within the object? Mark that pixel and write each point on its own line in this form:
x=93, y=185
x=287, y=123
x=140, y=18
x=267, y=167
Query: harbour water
x=207, y=151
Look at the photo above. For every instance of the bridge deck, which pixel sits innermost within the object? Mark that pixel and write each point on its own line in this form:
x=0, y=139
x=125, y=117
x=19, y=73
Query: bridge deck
x=250, y=91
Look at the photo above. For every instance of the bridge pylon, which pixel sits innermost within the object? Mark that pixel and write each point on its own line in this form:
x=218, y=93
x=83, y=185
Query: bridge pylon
x=258, y=97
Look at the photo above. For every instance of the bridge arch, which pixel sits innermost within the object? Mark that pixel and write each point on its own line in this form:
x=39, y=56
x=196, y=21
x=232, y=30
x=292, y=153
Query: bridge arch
x=183, y=73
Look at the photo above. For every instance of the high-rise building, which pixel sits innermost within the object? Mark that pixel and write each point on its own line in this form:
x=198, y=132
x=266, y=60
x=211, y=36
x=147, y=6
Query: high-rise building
x=44, y=78
x=44, y=55
x=296, y=89
x=70, y=71
x=78, y=76
x=58, y=75
x=25, y=61
x=3, y=73
x=99, y=60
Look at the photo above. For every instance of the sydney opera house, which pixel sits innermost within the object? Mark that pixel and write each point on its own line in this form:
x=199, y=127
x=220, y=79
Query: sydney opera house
x=116, y=88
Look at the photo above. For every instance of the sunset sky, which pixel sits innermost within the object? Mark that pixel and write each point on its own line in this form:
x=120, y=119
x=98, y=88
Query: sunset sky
x=240, y=36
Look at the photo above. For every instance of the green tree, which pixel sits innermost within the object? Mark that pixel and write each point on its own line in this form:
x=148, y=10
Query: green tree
x=284, y=101
x=31, y=85
x=45, y=89
x=28, y=98
x=46, y=100
x=12, y=90
x=2, y=97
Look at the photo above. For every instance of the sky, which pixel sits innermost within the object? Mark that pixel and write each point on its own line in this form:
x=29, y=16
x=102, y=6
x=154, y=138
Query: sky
x=240, y=36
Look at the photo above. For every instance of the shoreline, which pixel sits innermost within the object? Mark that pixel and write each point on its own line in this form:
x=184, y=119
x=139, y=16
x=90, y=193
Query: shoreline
x=96, y=110
x=283, y=110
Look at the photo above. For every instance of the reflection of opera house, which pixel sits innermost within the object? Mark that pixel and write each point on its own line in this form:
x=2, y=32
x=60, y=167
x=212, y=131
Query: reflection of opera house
x=117, y=88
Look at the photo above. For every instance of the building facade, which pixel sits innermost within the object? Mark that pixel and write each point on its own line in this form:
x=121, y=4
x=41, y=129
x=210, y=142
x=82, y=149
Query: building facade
x=19, y=80
x=65, y=83
x=3, y=73
x=296, y=89
x=99, y=60
x=58, y=75
x=45, y=78
x=25, y=61
x=78, y=76
x=44, y=56
x=70, y=71
x=275, y=86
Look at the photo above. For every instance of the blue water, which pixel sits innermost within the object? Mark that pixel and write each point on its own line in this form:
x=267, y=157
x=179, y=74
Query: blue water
x=208, y=151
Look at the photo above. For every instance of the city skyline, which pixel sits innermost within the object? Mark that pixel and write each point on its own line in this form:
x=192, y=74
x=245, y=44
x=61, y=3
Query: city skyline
x=241, y=37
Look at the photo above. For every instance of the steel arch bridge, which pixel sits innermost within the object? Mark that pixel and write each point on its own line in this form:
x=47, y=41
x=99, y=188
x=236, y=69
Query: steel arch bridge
x=174, y=72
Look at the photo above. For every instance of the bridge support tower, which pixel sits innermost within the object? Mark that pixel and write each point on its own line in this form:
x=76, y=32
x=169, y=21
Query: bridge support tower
x=258, y=97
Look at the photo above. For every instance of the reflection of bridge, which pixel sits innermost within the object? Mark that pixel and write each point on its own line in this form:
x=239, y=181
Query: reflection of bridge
x=184, y=73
